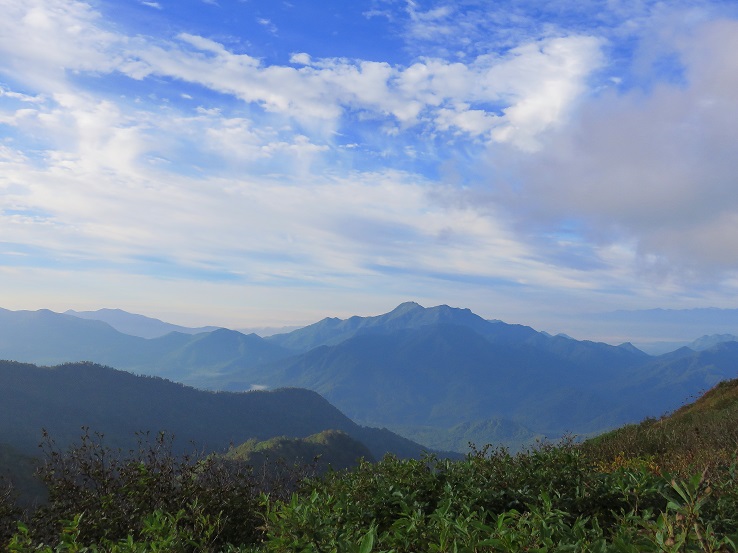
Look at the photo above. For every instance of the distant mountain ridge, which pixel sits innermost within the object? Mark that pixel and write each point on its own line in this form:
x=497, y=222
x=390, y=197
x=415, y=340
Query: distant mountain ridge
x=659, y=331
x=49, y=338
x=414, y=369
x=136, y=325
x=706, y=342
x=332, y=331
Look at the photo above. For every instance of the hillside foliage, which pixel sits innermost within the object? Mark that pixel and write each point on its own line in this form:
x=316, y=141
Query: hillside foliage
x=637, y=489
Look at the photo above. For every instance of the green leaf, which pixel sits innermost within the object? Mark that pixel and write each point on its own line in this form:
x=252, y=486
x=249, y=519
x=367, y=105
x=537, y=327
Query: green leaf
x=367, y=543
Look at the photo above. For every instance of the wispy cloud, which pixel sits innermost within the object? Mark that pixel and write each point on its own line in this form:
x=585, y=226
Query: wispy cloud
x=578, y=158
x=652, y=168
x=268, y=25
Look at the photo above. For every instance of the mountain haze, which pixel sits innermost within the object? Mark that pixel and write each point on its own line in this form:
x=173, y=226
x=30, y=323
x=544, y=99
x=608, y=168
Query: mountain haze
x=48, y=338
x=441, y=375
x=136, y=325
x=65, y=398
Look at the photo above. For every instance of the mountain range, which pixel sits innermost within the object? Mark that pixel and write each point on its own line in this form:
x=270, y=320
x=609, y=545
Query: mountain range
x=441, y=375
x=63, y=399
x=136, y=325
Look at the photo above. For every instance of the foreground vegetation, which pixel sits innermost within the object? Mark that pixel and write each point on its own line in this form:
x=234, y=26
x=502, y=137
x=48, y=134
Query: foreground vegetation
x=665, y=485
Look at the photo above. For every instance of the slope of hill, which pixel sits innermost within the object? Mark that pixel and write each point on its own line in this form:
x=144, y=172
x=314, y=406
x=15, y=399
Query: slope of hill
x=66, y=398
x=450, y=377
x=136, y=325
x=700, y=435
x=17, y=469
x=328, y=449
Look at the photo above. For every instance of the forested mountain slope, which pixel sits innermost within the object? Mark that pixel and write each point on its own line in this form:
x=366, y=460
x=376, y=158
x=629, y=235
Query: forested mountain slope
x=441, y=375
x=65, y=398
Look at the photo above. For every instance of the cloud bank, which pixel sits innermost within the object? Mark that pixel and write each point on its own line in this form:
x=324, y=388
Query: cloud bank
x=510, y=158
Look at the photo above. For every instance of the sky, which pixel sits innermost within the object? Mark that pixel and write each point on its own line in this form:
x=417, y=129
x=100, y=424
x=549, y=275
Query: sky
x=268, y=162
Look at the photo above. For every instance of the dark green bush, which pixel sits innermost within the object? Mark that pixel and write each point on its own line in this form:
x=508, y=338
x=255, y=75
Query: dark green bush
x=554, y=498
x=116, y=492
x=9, y=512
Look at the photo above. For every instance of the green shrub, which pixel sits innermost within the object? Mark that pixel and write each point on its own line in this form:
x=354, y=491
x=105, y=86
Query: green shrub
x=553, y=498
x=115, y=493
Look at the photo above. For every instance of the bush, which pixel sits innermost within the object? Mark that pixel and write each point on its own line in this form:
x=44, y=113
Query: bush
x=553, y=498
x=9, y=513
x=115, y=493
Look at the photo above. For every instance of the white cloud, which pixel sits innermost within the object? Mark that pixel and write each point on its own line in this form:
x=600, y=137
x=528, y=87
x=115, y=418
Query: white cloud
x=248, y=180
x=534, y=84
x=653, y=168
x=43, y=39
x=268, y=25
x=300, y=58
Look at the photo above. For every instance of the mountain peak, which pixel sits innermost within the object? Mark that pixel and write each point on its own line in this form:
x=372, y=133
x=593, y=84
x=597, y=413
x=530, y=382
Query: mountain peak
x=406, y=307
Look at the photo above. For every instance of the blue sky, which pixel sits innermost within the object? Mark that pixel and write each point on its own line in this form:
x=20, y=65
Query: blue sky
x=253, y=162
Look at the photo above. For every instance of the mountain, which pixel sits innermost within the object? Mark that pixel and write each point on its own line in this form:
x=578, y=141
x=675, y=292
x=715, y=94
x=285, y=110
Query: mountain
x=136, y=325
x=659, y=331
x=410, y=315
x=443, y=375
x=48, y=338
x=328, y=449
x=199, y=360
x=443, y=383
x=671, y=380
x=706, y=342
x=441, y=372
x=66, y=398
x=332, y=331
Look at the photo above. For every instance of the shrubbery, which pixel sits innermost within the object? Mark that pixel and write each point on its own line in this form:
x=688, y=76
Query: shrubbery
x=98, y=495
x=555, y=498
x=550, y=499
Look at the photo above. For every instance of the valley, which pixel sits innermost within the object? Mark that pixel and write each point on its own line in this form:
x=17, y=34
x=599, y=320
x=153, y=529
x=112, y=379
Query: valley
x=440, y=376
x=437, y=386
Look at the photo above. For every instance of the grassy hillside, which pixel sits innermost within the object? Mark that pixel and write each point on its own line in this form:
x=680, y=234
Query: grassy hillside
x=700, y=435
x=329, y=449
